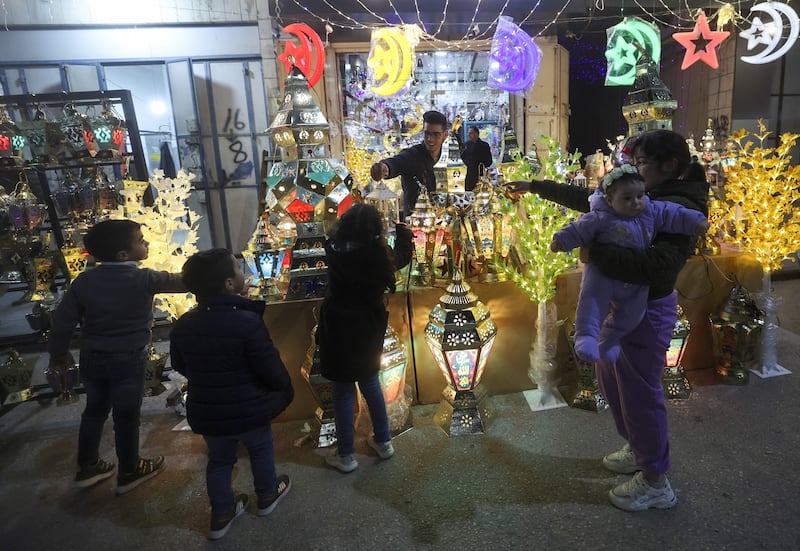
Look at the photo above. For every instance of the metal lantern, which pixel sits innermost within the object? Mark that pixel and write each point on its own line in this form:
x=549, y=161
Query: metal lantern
x=308, y=274
x=63, y=380
x=307, y=184
x=588, y=395
x=423, y=224
x=460, y=335
x=736, y=331
x=491, y=230
x=392, y=378
x=264, y=257
x=674, y=381
x=15, y=377
x=107, y=133
x=322, y=390
x=11, y=141
x=386, y=202
x=154, y=369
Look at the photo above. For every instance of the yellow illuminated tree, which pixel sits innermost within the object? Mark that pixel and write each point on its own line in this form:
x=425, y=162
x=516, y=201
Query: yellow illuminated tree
x=762, y=195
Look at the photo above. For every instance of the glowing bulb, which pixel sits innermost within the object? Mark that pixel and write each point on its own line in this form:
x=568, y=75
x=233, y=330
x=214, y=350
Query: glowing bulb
x=158, y=107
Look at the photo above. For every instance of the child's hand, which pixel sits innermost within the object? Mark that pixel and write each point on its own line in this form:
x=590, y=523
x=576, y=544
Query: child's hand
x=702, y=227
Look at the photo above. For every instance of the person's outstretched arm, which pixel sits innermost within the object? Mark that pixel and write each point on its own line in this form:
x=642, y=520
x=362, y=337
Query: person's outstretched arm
x=572, y=197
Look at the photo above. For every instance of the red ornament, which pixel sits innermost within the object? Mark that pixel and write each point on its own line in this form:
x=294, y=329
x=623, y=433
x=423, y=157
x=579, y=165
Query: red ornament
x=701, y=43
x=5, y=143
x=309, y=49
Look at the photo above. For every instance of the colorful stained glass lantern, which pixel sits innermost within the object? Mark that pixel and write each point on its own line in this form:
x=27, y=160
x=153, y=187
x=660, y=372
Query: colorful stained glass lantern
x=674, y=381
x=11, y=142
x=107, y=133
x=34, y=133
x=264, y=257
x=736, y=331
x=491, y=230
x=460, y=335
x=74, y=256
x=307, y=184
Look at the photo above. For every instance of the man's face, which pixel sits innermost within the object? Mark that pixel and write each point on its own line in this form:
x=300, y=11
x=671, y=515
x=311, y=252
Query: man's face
x=473, y=134
x=434, y=136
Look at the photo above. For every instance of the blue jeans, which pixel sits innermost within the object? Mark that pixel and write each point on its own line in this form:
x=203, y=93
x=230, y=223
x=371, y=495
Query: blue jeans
x=222, y=458
x=344, y=401
x=114, y=382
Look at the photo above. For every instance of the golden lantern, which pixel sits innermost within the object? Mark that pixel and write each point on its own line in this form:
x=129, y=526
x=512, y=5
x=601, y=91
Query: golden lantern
x=736, y=331
x=423, y=224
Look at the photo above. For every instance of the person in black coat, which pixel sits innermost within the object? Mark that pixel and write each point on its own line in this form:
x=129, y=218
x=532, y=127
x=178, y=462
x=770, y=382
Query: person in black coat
x=415, y=164
x=237, y=383
x=352, y=323
x=476, y=154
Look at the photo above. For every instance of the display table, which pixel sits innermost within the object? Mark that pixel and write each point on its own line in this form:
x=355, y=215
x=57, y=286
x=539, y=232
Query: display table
x=702, y=287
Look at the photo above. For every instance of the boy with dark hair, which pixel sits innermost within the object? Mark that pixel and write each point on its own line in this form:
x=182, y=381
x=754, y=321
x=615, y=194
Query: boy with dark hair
x=237, y=383
x=113, y=303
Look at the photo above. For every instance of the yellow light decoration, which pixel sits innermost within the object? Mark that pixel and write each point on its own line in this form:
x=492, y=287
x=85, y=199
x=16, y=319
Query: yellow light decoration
x=762, y=186
x=391, y=58
x=171, y=229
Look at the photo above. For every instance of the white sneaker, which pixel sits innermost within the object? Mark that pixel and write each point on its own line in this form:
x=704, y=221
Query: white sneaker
x=637, y=495
x=345, y=463
x=385, y=450
x=622, y=461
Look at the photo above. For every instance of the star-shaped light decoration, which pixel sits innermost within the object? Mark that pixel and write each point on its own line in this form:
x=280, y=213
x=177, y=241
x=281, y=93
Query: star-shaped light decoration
x=701, y=43
x=758, y=33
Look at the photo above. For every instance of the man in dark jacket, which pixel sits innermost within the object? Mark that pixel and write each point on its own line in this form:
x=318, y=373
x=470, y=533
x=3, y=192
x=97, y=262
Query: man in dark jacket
x=414, y=164
x=476, y=154
x=237, y=383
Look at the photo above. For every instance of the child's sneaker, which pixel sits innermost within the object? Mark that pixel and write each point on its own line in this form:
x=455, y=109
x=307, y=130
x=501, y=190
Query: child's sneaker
x=385, y=450
x=145, y=470
x=92, y=474
x=221, y=525
x=622, y=461
x=637, y=495
x=267, y=504
x=346, y=463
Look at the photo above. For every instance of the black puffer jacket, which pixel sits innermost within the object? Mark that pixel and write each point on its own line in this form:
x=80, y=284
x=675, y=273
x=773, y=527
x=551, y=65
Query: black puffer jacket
x=353, y=316
x=237, y=380
x=657, y=266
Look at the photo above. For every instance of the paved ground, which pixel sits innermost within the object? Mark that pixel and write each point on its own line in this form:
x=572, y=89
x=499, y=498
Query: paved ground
x=533, y=481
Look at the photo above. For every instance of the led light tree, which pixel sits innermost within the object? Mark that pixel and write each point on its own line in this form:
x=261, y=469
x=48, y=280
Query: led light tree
x=763, y=187
x=534, y=222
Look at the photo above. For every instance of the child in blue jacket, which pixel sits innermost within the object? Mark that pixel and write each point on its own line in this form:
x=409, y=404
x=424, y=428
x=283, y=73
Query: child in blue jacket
x=237, y=383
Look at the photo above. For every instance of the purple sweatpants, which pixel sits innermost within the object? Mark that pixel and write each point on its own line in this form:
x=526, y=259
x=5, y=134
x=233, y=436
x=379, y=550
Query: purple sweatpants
x=632, y=386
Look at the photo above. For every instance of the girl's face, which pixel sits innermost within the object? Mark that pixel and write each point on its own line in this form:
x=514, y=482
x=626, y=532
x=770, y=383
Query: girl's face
x=626, y=197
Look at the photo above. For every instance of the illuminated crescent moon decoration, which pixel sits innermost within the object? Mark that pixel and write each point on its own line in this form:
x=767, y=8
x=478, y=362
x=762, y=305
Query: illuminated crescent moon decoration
x=770, y=33
x=514, y=58
x=623, y=41
x=700, y=43
x=310, y=48
x=390, y=60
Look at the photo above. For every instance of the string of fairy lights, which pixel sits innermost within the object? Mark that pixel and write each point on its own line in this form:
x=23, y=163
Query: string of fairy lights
x=679, y=17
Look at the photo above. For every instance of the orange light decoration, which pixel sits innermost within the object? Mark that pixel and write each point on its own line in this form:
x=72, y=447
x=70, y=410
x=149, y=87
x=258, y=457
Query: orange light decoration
x=700, y=43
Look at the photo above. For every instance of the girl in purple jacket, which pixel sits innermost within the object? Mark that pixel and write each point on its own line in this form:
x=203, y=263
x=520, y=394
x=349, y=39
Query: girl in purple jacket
x=623, y=215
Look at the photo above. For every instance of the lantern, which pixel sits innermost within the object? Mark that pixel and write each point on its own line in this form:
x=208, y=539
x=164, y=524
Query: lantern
x=423, y=224
x=63, y=380
x=392, y=377
x=107, y=133
x=15, y=377
x=588, y=395
x=460, y=335
x=736, y=331
x=34, y=133
x=492, y=231
x=649, y=104
x=154, y=369
x=264, y=257
x=74, y=257
x=674, y=381
x=385, y=201
x=322, y=390
x=308, y=275
x=11, y=142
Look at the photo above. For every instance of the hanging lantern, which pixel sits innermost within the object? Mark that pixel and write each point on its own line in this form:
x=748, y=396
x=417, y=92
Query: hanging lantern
x=649, y=104
x=736, y=331
x=386, y=202
x=107, y=133
x=34, y=133
x=73, y=128
x=460, y=335
x=674, y=381
x=75, y=257
x=11, y=141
